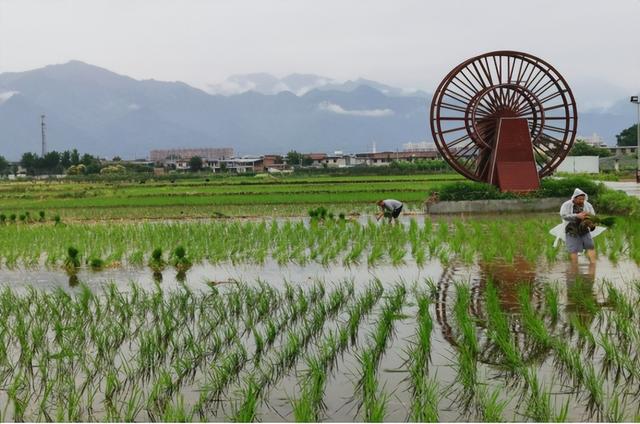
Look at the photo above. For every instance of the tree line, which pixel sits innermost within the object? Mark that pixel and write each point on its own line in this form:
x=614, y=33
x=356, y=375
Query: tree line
x=59, y=162
x=70, y=160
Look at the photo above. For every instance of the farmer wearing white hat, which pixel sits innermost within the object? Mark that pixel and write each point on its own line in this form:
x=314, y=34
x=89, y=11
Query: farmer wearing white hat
x=577, y=226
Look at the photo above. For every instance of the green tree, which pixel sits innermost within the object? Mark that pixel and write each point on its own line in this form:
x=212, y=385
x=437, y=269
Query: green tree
x=29, y=161
x=294, y=158
x=65, y=159
x=87, y=159
x=50, y=162
x=580, y=148
x=195, y=163
x=4, y=166
x=628, y=136
x=75, y=157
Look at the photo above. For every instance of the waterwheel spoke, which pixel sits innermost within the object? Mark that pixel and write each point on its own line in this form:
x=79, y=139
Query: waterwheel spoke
x=498, y=85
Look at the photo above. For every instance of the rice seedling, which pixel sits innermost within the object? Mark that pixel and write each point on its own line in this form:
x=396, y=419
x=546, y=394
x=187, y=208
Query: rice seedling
x=569, y=361
x=581, y=295
x=538, y=405
x=551, y=302
x=180, y=260
x=490, y=405
x=373, y=402
x=133, y=406
x=424, y=407
x=177, y=413
x=422, y=345
x=614, y=359
x=219, y=377
x=467, y=346
x=619, y=302
x=96, y=264
x=615, y=409
x=397, y=255
x=586, y=338
x=308, y=406
x=594, y=384
x=387, y=316
x=466, y=326
x=72, y=262
x=466, y=366
x=362, y=307
x=534, y=325
x=375, y=254
x=498, y=331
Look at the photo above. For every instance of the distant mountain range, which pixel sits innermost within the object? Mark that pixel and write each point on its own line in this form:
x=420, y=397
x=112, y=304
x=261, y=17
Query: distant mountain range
x=100, y=112
x=300, y=84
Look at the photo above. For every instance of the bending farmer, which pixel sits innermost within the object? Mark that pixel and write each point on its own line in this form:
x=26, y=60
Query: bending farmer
x=389, y=208
x=575, y=214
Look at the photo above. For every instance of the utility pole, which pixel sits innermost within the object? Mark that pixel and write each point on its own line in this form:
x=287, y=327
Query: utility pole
x=636, y=100
x=44, y=139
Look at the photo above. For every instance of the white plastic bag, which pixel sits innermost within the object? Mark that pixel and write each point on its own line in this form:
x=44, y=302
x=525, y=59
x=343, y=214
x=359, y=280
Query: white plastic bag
x=559, y=233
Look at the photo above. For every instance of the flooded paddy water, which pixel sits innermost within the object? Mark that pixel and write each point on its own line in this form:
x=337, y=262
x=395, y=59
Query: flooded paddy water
x=453, y=340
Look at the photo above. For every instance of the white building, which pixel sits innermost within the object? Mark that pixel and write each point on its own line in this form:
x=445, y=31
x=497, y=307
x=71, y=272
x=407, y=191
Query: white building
x=422, y=146
x=592, y=140
x=579, y=165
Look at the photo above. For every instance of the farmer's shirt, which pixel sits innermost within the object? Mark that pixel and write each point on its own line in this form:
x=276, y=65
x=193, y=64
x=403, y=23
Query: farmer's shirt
x=391, y=204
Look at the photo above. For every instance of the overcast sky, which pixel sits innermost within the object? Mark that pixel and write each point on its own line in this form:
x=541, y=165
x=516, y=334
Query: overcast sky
x=405, y=43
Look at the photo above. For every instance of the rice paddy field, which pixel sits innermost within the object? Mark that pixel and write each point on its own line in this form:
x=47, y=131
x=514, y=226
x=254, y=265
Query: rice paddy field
x=213, y=196
x=107, y=316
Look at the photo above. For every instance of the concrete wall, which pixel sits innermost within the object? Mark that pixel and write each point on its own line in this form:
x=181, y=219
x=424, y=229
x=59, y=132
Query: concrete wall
x=493, y=206
x=580, y=164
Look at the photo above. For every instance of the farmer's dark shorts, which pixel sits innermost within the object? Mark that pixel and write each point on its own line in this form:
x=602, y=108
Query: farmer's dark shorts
x=396, y=212
x=577, y=244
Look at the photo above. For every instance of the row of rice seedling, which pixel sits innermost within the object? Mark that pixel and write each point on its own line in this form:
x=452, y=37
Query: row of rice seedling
x=424, y=389
x=27, y=218
x=309, y=405
x=134, y=354
x=294, y=346
x=594, y=352
x=374, y=399
x=467, y=345
x=296, y=242
x=167, y=348
x=292, y=307
x=581, y=373
x=508, y=356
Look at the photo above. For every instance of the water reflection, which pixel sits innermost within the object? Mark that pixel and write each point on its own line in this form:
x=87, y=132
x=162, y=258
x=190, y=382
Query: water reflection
x=181, y=276
x=73, y=279
x=157, y=276
x=510, y=280
x=582, y=303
